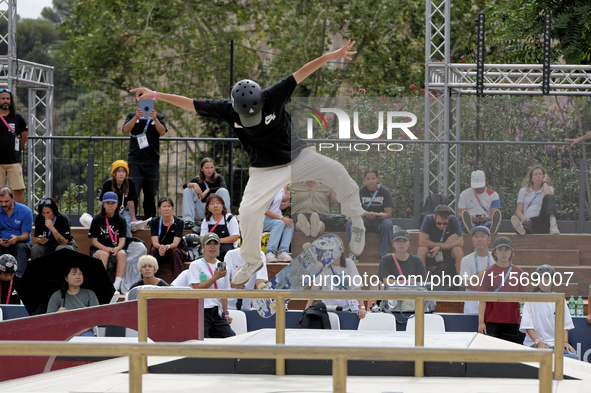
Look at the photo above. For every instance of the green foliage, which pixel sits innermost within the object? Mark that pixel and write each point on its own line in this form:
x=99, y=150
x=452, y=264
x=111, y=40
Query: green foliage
x=73, y=200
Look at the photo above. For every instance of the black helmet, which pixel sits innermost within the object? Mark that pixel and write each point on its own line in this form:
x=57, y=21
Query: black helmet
x=192, y=239
x=247, y=101
x=7, y=264
x=545, y=269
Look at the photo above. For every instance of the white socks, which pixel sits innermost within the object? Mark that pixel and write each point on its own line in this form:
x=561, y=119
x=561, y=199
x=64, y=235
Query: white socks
x=117, y=283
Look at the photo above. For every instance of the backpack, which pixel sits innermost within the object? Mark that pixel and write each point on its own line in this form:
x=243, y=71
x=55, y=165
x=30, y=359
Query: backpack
x=432, y=201
x=315, y=317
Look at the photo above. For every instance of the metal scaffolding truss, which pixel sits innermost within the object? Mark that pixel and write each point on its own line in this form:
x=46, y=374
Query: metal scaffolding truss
x=38, y=80
x=445, y=83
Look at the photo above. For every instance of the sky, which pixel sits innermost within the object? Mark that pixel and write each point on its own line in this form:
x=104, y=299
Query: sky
x=31, y=8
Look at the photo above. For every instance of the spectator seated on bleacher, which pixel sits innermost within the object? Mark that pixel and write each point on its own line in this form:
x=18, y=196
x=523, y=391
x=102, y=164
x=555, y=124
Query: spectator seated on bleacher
x=479, y=205
x=280, y=227
x=536, y=208
x=440, y=244
x=234, y=261
x=166, y=232
x=125, y=188
x=219, y=221
x=340, y=277
x=475, y=264
x=8, y=280
x=52, y=230
x=148, y=267
x=16, y=224
x=310, y=208
x=197, y=190
x=377, y=202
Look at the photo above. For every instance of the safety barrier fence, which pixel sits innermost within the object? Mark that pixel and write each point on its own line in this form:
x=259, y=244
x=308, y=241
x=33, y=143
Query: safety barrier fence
x=138, y=353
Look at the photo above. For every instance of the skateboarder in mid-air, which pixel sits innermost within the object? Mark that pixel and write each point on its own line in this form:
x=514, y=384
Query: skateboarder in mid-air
x=277, y=155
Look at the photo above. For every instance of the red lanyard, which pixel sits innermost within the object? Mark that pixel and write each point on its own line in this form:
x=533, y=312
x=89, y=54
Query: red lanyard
x=210, y=272
x=111, y=233
x=478, y=199
x=7, y=126
x=399, y=269
x=216, y=224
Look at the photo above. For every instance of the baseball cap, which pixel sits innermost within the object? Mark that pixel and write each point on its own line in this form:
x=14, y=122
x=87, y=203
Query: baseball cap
x=110, y=196
x=480, y=228
x=478, y=179
x=401, y=234
x=502, y=242
x=209, y=237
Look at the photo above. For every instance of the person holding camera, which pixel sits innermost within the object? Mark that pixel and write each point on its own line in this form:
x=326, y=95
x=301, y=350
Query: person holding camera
x=208, y=272
x=144, y=153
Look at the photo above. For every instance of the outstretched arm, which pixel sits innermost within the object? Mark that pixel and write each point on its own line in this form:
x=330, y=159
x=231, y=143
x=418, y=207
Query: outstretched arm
x=180, y=101
x=307, y=70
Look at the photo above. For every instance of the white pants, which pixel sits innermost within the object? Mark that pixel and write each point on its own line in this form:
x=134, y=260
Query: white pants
x=264, y=183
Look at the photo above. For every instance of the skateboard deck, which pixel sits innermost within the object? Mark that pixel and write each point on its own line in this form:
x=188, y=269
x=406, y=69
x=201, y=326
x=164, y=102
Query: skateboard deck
x=320, y=253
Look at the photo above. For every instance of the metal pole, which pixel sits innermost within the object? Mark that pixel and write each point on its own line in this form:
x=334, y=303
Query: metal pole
x=142, y=328
x=90, y=185
x=280, y=332
x=135, y=373
x=558, y=339
x=419, y=334
x=582, y=183
x=339, y=374
x=231, y=152
x=417, y=191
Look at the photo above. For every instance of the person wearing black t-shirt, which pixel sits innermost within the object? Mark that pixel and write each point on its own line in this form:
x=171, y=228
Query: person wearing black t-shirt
x=199, y=188
x=148, y=267
x=377, y=202
x=52, y=230
x=167, y=234
x=277, y=155
x=401, y=268
x=144, y=154
x=108, y=232
x=9, y=281
x=13, y=137
x=121, y=184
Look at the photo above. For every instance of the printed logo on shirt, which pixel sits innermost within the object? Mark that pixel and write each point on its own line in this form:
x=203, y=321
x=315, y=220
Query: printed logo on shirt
x=269, y=118
x=236, y=125
x=17, y=222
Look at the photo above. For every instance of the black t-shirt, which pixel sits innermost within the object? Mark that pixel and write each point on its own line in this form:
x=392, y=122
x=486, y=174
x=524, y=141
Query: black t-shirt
x=430, y=227
x=273, y=141
x=219, y=182
x=411, y=266
x=176, y=230
x=5, y=287
x=382, y=200
x=62, y=225
x=99, y=230
x=7, y=139
x=152, y=152
x=131, y=194
x=161, y=283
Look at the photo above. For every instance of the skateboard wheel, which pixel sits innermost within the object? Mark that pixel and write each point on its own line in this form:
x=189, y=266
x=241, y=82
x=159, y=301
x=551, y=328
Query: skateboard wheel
x=306, y=245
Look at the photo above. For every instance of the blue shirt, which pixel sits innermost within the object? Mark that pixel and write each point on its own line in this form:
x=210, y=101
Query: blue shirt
x=20, y=221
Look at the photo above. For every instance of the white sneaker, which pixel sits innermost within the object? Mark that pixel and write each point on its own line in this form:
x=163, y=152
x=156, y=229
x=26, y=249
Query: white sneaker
x=284, y=257
x=243, y=273
x=270, y=257
x=357, y=243
x=554, y=229
x=314, y=224
x=304, y=225
x=516, y=222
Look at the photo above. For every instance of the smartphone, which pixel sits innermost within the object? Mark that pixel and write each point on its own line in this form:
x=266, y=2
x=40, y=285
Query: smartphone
x=147, y=105
x=221, y=265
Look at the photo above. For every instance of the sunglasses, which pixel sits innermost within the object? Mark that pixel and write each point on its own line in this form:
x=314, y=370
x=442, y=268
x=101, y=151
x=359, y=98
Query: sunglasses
x=5, y=90
x=45, y=202
x=441, y=223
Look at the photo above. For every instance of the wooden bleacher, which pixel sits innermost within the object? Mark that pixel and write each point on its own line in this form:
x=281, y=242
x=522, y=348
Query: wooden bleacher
x=568, y=252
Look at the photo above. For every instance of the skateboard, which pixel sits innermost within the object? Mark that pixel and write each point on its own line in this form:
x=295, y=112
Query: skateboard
x=316, y=256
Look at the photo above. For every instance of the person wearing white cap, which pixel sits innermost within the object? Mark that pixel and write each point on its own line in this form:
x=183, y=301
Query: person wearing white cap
x=479, y=205
x=473, y=265
x=278, y=156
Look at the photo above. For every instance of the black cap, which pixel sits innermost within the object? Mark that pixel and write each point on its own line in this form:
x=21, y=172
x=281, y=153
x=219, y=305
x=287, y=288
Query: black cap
x=503, y=242
x=401, y=234
x=480, y=228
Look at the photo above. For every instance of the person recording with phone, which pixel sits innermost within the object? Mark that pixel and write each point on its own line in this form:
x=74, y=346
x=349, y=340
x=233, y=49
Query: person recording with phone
x=208, y=272
x=145, y=127
x=52, y=230
x=16, y=224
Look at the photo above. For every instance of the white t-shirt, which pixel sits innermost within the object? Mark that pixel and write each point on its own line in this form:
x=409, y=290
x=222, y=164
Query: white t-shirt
x=275, y=206
x=540, y=317
x=525, y=198
x=489, y=199
x=231, y=223
x=350, y=272
x=195, y=270
x=233, y=261
x=182, y=280
x=468, y=269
